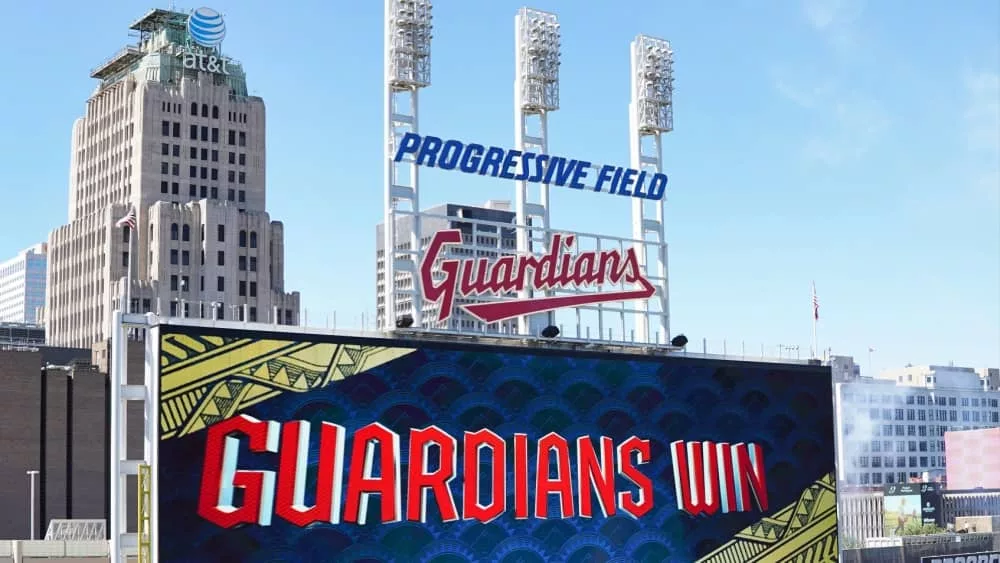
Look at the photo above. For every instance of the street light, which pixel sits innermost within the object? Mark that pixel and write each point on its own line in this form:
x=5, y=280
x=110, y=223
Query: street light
x=32, y=474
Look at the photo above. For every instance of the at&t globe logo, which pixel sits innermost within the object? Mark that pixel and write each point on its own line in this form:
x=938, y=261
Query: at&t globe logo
x=206, y=27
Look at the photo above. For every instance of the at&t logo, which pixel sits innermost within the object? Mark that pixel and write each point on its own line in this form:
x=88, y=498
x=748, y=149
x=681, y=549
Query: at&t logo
x=206, y=27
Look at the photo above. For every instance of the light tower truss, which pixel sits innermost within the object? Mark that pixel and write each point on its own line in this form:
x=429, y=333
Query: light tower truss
x=536, y=93
x=407, y=70
x=650, y=116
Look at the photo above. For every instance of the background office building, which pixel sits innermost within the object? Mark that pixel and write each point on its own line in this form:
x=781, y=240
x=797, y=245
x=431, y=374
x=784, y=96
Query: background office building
x=22, y=286
x=891, y=428
x=479, y=240
x=184, y=146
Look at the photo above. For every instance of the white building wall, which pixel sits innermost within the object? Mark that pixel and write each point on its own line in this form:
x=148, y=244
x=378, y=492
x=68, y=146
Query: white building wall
x=888, y=433
x=22, y=286
x=187, y=150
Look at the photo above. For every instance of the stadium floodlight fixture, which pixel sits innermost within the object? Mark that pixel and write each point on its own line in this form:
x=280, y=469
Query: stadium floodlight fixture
x=550, y=331
x=679, y=341
x=654, y=83
x=539, y=44
x=409, y=37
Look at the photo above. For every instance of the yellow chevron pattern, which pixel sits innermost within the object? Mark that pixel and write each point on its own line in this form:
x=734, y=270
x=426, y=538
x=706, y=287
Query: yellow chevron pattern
x=804, y=532
x=205, y=379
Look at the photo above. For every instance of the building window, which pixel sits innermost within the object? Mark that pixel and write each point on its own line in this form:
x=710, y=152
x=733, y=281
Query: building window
x=215, y=156
x=243, y=178
x=193, y=152
x=185, y=258
x=164, y=187
x=175, y=188
x=201, y=283
x=243, y=288
x=186, y=233
x=232, y=158
x=243, y=159
x=126, y=235
x=253, y=289
x=204, y=133
x=173, y=231
x=204, y=191
x=164, y=168
x=165, y=147
x=242, y=263
x=165, y=128
x=232, y=137
x=243, y=138
x=215, y=174
x=243, y=239
x=221, y=284
x=215, y=192
x=215, y=134
x=253, y=314
x=204, y=110
x=173, y=308
x=215, y=112
x=253, y=263
x=193, y=171
x=231, y=176
x=222, y=258
x=204, y=172
x=222, y=233
x=194, y=108
x=192, y=190
x=232, y=194
x=177, y=129
x=174, y=256
x=243, y=196
x=124, y=259
x=173, y=283
x=194, y=133
x=253, y=239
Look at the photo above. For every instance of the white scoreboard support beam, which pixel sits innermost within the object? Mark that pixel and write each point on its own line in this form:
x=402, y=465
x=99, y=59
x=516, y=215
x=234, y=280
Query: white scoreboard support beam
x=407, y=70
x=651, y=115
x=536, y=94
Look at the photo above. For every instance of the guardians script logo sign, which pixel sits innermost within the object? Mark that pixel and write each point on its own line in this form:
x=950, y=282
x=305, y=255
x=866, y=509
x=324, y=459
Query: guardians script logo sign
x=558, y=269
x=589, y=476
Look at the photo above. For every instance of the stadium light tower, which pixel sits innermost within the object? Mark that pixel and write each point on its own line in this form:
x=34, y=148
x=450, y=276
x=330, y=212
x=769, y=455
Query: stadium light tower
x=536, y=93
x=651, y=115
x=407, y=70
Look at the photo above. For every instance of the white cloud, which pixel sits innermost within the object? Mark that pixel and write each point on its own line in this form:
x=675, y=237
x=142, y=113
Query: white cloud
x=836, y=21
x=982, y=113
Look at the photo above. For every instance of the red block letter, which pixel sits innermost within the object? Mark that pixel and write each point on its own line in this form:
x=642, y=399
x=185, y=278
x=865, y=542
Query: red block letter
x=219, y=474
x=521, y=476
x=561, y=485
x=421, y=478
x=291, y=503
x=474, y=444
x=696, y=477
x=361, y=482
x=634, y=505
x=750, y=478
x=597, y=474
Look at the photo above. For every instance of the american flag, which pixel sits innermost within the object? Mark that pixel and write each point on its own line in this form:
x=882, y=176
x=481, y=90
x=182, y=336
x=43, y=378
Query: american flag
x=815, y=303
x=128, y=220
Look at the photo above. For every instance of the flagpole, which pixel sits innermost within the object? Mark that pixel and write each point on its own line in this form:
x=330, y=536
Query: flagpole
x=815, y=318
x=127, y=307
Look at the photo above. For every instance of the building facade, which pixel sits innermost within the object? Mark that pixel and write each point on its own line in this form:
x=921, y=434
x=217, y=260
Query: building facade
x=483, y=236
x=892, y=428
x=22, y=286
x=170, y=132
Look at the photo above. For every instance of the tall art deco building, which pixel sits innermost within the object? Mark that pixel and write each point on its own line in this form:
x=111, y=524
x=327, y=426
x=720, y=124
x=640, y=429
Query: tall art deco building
x=170, y=132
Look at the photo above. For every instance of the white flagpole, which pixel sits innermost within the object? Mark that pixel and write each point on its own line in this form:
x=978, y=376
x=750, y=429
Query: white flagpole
x=127, y=307
x=815, y=345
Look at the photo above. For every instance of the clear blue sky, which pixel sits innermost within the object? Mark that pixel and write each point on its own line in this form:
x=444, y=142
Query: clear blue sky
x=857, y=144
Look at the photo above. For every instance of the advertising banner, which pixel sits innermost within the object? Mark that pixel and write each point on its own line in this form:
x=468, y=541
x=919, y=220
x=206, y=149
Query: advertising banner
x=985, y=557
x=911, y=505
x=277, y=446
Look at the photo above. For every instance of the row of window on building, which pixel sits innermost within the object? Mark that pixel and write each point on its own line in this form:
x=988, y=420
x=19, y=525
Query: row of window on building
x=171, y=107
x=202, y=133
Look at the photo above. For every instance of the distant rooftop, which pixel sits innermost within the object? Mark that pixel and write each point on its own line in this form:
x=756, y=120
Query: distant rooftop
x=158, y=19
